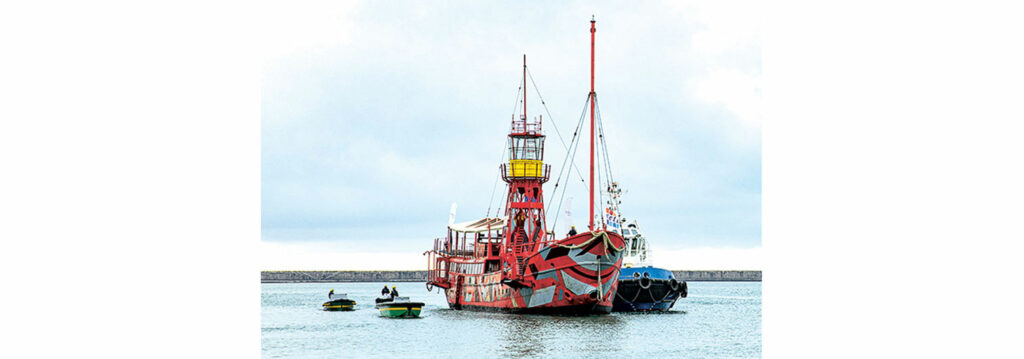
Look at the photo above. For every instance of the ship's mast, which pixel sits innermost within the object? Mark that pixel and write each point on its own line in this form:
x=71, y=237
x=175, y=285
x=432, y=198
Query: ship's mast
x=593, y=29
x=524, y=86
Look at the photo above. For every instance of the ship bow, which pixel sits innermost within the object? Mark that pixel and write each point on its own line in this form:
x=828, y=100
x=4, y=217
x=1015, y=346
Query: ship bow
x=576, y=275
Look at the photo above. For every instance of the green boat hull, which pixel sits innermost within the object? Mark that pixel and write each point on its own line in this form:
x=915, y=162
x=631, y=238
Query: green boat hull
x=339, y=305
x=402, y=310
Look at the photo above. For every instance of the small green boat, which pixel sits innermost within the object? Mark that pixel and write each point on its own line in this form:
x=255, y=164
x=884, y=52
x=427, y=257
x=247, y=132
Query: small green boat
x=399, y=307
x=340, y=303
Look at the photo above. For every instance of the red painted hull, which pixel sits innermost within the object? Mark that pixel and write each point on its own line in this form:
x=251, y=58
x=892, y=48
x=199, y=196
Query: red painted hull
x=575, y=276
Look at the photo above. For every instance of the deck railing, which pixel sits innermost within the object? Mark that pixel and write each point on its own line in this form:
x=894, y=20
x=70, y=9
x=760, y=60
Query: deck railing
x=523, y=126
x=526, y=170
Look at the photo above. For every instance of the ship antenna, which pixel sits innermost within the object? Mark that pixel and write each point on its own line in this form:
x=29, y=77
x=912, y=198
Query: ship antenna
x=593, y=29
x=524, y=91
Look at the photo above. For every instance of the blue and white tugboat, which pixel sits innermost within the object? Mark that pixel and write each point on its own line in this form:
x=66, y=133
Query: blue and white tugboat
x=642, y=287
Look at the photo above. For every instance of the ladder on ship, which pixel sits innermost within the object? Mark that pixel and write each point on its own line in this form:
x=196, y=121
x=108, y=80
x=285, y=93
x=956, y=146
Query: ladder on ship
x=518, y=249
x=515, y=279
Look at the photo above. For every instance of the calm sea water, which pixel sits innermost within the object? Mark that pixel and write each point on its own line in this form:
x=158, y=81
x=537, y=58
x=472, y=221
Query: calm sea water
x=717, y=320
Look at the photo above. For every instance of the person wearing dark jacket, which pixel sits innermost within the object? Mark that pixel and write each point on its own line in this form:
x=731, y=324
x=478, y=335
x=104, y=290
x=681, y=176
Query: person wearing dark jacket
x=394, y=292
x=384, y=292
x=330, y=295
x=572, y=231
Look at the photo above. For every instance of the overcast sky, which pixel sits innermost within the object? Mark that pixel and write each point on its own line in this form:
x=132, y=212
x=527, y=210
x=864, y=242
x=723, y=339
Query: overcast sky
x=377, y=116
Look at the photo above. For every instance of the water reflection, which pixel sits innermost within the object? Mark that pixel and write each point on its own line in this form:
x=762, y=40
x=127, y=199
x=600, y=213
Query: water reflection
x=669, y=312
x=541, y=335
x=522, y=336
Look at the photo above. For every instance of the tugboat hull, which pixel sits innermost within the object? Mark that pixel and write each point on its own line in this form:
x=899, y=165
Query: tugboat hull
x=645, y=289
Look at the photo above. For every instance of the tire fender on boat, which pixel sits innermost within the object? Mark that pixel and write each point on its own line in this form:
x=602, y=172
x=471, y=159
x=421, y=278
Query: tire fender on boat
x=645, y=282
x=673, y=284
x=430, y=287
x=684, y=291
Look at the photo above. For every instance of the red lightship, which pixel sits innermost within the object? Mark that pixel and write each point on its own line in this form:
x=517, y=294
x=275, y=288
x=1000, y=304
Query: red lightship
x=513, y=264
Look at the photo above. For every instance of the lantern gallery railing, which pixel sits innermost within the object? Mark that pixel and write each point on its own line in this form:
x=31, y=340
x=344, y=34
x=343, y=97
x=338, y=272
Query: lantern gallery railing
x=522, y=126
x=525, y=169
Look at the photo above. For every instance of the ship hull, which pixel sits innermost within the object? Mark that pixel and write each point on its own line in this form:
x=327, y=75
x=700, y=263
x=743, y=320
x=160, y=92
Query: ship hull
x=645, y=289
x=339, y=305
x=404, y=309
x=581, y=309
x=575, y=276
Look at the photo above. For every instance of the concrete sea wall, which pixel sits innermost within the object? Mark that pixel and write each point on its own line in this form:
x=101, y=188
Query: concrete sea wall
x=421, y=276
x=718, y=275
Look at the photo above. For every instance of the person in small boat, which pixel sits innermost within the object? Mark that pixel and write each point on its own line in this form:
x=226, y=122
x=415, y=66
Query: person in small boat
x=330, y=295
x=384, y=292
x=394, y=292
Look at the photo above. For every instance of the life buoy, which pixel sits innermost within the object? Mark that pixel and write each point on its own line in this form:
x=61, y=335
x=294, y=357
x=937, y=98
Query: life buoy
x=645, y=282
x=430, y=287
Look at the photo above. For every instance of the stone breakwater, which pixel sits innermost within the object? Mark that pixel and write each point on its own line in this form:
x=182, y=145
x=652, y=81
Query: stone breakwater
x=421, y=276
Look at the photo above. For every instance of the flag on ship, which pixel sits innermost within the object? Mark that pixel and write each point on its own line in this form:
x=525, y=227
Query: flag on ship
x=611, y=219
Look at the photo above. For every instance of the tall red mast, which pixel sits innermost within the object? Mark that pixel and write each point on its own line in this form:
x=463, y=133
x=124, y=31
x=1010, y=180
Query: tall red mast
x=524, y=86
x=593, y=30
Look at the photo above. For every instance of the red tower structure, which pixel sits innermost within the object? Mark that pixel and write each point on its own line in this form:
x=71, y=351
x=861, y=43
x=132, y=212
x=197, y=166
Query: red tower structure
x=513, y=264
